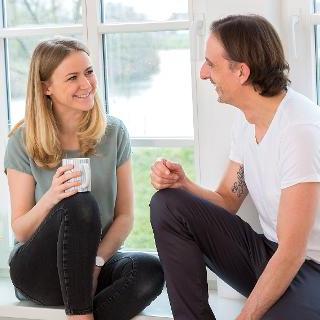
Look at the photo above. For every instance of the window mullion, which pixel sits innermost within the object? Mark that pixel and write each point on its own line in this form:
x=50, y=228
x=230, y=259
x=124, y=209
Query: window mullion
x=144, y=26
x=91, y=20
x=162, y=142
x=40, y=31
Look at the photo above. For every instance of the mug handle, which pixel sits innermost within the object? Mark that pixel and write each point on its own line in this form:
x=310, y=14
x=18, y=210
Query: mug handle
x=86, y=170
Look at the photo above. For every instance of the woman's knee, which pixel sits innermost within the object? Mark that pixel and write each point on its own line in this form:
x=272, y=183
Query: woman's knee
x=149, y=277
x=83, y=207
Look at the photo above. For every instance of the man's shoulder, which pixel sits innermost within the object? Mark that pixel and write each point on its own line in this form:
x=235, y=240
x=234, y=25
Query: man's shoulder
x=298, y=110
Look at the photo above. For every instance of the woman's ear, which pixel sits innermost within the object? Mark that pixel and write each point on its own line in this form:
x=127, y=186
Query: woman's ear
x=244, y=73
x=46, y=88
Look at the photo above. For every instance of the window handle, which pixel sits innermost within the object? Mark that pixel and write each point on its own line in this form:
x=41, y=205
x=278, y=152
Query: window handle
x=197, y=33
x=295, y=20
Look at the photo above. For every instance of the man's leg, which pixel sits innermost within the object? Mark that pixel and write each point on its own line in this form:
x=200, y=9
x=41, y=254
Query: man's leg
x=301, y=300
x=186, y=228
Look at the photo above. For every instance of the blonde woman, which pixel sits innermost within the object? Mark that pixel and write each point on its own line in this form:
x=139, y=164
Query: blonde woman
x=67, y=241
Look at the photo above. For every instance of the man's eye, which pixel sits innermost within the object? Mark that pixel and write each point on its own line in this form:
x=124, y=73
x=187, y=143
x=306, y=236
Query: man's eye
x=72, y=78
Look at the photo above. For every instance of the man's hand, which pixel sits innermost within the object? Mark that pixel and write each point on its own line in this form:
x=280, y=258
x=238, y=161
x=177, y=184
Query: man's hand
x=166, y=174
x=246, y=315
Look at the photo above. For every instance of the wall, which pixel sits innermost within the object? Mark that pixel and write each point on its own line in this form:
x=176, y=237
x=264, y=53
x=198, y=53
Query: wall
x=215, y=119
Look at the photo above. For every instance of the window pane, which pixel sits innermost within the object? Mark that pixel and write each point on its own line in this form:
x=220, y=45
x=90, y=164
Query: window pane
x=1, y=226
x=20, y=51
x=149, y=81
x=142, y=237
x=35, y=12
x=317, y=6
x=144, y=10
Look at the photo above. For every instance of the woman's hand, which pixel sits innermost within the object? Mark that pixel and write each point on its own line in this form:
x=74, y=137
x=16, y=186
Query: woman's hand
x=96, y=272
x=166, y=174
x=60, y=185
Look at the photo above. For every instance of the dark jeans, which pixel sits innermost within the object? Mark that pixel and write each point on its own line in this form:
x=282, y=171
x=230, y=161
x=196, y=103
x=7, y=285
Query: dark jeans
x=55, y=266
x=191, y=232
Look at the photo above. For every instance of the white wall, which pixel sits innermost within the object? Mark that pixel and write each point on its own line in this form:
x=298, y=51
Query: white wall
x=214, y=119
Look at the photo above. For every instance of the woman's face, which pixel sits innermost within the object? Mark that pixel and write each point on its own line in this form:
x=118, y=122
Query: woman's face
x=73, y=84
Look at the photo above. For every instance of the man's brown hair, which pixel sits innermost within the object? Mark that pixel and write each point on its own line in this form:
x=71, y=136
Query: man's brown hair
x=252, y=40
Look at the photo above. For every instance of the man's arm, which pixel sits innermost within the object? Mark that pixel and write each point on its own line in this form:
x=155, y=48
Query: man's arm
x=297, y=210
x=229, y=195
x=231, y=191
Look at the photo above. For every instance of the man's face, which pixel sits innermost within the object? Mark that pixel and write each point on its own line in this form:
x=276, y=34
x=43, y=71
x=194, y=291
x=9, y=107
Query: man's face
x=218, y=70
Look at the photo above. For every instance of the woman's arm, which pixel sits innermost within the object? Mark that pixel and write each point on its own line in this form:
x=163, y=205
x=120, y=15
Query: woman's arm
x=123, y=217
x=26, y=215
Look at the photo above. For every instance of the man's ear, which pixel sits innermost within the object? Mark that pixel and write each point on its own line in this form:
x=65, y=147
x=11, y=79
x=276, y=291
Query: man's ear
x=46, y=88
x=244, y=73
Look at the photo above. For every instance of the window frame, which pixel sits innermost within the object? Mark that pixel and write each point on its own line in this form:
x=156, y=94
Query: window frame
x=299, y=39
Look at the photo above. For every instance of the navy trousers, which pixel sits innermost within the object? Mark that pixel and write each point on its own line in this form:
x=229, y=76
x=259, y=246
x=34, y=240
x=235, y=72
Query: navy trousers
x=191, y=233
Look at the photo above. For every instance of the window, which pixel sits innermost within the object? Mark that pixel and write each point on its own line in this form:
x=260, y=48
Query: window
x=141, y=53
x=148, y=86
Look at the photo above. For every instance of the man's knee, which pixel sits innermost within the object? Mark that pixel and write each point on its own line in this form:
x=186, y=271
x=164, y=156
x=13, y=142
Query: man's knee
x=162, y=205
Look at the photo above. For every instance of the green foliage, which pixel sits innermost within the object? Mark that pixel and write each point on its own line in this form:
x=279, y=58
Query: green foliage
x=33, y=12
x=142, y=237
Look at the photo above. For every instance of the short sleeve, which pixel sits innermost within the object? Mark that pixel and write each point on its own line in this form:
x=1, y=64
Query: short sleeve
x=300, y=155
x=16, y=156
x=123, y=145
x=237, y=133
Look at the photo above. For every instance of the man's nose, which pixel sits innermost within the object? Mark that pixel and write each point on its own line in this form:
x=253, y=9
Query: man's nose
x=205, y=72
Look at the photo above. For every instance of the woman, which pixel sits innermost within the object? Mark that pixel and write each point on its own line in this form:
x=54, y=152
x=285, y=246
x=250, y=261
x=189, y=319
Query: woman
x=67, y=250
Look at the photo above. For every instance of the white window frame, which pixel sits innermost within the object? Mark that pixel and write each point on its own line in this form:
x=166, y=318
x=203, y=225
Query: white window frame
x=92, y=30
x=298, y=37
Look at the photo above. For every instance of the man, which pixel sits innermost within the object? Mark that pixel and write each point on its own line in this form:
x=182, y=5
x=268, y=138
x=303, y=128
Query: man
x=275, y=156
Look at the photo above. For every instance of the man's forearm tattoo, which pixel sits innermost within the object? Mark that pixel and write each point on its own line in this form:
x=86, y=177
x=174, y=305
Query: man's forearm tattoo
x=240, y=187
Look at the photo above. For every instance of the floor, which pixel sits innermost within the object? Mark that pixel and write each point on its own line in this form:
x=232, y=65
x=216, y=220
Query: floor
x=10, y=308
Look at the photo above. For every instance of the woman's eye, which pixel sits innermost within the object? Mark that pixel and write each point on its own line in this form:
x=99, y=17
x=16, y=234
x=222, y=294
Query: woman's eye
x=72, y=78
x=90, y=72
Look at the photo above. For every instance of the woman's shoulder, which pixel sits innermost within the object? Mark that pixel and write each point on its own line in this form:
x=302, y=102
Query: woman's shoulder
x=114, y=123
x=115, y=127
x=115, y=132
x=17, y=135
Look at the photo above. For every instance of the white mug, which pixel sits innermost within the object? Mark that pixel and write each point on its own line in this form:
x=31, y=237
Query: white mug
x=82, y=165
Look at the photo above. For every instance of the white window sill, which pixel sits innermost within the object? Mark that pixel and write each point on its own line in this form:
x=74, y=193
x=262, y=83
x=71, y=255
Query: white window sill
x=10, y=307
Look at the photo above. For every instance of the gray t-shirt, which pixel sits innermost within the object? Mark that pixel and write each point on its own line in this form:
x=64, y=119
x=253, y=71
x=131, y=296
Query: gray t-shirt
x=113, y=150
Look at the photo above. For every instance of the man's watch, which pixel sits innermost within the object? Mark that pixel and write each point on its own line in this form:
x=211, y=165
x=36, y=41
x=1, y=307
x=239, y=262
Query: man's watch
x=100, y=261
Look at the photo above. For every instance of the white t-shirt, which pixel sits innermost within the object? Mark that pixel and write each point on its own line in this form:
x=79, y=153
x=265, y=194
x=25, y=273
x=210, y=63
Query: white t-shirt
x=288, y=154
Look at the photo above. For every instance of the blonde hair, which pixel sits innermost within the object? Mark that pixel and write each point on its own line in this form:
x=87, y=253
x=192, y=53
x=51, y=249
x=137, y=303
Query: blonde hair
x=41, y=130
